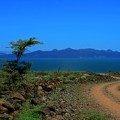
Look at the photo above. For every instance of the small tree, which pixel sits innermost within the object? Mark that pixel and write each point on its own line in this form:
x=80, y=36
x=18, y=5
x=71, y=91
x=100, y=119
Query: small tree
x=16, y=69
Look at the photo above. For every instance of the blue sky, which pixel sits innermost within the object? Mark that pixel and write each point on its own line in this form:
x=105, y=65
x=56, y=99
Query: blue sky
x=61, y=23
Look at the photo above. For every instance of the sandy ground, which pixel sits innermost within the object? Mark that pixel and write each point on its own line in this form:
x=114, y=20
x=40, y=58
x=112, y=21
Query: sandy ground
x=108, y=96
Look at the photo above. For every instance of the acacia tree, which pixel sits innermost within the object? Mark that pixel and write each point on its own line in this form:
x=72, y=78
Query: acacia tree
x=16, y=69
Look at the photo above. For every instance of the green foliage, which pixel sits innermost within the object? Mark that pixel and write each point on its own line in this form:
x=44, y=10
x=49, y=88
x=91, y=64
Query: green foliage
x=16, y=69
x=93, y=115
x=116, y=74
x=21, y=46
x=28, y=112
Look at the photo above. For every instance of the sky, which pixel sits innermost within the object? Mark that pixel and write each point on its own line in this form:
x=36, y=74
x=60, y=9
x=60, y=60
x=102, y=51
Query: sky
x=61, y=24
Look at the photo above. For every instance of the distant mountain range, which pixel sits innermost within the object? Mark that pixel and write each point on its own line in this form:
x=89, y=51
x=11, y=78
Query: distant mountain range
x=69, y=53
x=1, y=53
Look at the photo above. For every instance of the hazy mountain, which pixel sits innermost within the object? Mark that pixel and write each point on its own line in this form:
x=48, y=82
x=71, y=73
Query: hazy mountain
x=2, y=53
x=70, y=53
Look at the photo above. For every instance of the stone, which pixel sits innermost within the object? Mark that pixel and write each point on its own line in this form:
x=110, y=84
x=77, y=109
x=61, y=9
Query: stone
x=23, y=93
x=4, y=116
x=6, y=107
x=40, y=88
x=58, y=117
x=43, y=111
x=17, y=105
x=14, y=114
x=3, y=96
x=51, y=108
x=48, y=88
x=29, y=94
x=18, y=96
x=35, y=102
x=67, y=115
x=4, y=92
x=40, y=93
x=43, y=98
x=3, y=109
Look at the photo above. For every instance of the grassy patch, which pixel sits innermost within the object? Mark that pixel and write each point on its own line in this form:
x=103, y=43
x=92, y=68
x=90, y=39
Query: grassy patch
x=78, y=89
x=82, y=98
x=94, y=115
x=28, y=113
x=54, y=97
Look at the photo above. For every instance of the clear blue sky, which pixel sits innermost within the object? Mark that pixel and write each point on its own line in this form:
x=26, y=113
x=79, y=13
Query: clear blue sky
x=61, y=23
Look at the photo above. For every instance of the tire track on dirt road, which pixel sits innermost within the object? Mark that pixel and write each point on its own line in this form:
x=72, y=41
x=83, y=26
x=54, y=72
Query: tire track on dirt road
x=108, y=96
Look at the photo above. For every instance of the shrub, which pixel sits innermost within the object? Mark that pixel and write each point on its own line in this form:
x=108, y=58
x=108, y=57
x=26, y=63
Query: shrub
x=16, y=69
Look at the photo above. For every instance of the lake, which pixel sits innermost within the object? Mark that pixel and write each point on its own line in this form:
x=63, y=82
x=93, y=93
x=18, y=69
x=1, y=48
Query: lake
x=98, y=65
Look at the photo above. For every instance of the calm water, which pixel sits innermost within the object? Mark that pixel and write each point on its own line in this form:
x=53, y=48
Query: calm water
x=92, y=65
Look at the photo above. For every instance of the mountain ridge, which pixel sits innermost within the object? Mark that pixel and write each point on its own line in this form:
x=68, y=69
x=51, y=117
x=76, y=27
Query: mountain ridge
x=70, y=53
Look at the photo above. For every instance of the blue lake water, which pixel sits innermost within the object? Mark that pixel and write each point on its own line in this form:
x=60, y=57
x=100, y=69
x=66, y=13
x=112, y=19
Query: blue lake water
x=85, y=64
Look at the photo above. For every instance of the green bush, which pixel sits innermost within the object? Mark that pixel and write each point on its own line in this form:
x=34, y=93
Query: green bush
x=28, y=112
x=16, y=69
x=93, y=115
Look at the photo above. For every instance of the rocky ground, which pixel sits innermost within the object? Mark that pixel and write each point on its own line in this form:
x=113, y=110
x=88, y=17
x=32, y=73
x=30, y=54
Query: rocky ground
x=64, y=95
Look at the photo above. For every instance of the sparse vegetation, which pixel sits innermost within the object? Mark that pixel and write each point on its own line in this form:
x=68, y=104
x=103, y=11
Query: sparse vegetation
x=14, y=70
x=60, y=92
x=117, y=74
x=94, y=115
x=28, y=112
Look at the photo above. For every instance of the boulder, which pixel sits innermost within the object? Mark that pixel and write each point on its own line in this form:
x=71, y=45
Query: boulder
x=40, y=88
x=18, y=96
x=6, y=107
x=48, y=88
x=3, y=109
x=35, y=102
x=16, y=104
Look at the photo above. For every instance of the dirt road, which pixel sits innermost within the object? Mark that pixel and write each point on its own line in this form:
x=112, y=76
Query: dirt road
x=108, y=96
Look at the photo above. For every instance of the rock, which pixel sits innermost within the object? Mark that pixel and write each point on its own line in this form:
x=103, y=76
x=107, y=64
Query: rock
x=17, y=105
x=43, y=111
x=4, y=116
x=51, y=108
x=23, y=93
x=35, y=102
x=40, y=88
x=29, y=94
x=41, y=93
x=48, y=118
x=6, y=107
x=3, y=96
x=67, y=115
x=5, y=92
x=14, y=114
x=58, y=117
x=47, y=110
x=18, y=96
x=51, y=86
x=3, y=109
x=43, y=98
x=48, y=88
x=62, y=102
